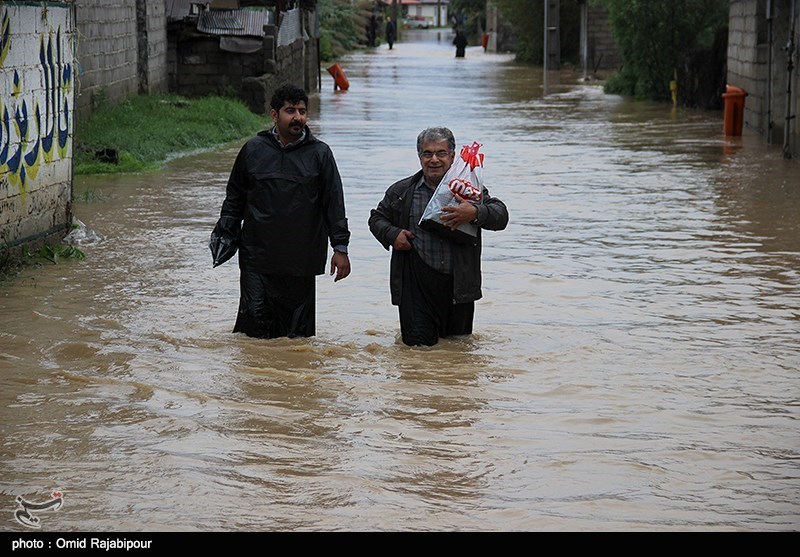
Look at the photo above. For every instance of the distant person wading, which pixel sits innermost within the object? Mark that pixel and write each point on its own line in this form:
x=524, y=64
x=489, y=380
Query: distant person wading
x=391, y=31
x=460, y=41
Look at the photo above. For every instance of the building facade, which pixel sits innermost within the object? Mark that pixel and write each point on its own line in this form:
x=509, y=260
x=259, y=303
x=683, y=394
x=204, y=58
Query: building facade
x=762, y=61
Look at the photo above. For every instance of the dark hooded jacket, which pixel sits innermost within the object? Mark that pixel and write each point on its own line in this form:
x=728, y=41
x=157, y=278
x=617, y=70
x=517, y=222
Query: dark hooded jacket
x=392, y=215
x=289, y=203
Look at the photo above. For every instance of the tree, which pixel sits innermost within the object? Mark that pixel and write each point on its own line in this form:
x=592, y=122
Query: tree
x=470, y=14
x=342, y=26
x=670, y=40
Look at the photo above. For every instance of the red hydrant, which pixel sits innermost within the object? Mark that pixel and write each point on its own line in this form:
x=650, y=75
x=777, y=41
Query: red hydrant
x=734, y=109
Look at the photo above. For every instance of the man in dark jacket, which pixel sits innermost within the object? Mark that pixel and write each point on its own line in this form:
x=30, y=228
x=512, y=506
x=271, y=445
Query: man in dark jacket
x=433, y=279
x=461, y=43
x=285, y=203
x=391, y=30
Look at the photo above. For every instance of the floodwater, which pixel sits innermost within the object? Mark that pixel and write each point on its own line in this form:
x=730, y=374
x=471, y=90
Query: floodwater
x=635, y=363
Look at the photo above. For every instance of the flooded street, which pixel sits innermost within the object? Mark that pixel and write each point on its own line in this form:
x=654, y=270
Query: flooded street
x=635, y=363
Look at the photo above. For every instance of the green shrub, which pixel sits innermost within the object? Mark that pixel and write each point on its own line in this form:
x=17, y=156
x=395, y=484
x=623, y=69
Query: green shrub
x=342, y=26
x=661, y=41
x=144, y=131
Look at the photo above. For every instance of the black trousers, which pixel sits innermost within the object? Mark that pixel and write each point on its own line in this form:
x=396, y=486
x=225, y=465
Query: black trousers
x=272, y=306
x=427, y=311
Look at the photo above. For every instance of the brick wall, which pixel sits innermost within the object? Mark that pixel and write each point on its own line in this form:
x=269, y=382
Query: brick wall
x=36, y=96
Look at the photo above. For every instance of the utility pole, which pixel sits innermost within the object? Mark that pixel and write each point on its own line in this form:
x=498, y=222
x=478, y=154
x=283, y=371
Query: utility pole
x=790, y=51
x=552, y=47
x=584, y=42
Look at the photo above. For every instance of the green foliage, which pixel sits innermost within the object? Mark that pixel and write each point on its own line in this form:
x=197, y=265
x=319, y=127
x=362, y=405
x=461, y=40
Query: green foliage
x=526, y=19
x=15, y=259
x=660, y=41
x=473, y=13
x=99, y=98
x=55, y=252
x=128, y=163
x=147, y=129
x=342, y=26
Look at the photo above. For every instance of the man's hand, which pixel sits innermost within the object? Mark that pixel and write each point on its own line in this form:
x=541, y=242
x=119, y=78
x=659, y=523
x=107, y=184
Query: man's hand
x=456, y=215
x=340, y=264
x=403, y=240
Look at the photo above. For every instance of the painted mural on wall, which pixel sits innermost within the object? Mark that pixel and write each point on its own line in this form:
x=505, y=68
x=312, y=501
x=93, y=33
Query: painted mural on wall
x=35, y=119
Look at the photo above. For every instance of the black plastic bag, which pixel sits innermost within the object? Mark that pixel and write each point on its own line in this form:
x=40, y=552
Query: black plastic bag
x=224, y=240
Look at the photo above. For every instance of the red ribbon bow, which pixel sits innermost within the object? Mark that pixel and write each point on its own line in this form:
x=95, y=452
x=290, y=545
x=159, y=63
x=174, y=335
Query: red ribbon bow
x=470, y=155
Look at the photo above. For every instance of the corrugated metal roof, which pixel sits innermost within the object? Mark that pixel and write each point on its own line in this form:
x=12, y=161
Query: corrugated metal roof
x=219, y=22
x=234, y=22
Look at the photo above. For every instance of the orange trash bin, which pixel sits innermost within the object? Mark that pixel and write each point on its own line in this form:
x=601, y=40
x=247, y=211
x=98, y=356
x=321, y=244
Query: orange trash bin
x=339, y=79
x=734, y=109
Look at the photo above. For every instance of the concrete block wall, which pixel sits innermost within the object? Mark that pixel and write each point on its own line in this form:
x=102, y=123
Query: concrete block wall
x=761, y=70
x=747, y=62
x=290, y=65
x=122, y=50
x=36, y=98
x=202, y=68
x=107, y=52
x=152, y=46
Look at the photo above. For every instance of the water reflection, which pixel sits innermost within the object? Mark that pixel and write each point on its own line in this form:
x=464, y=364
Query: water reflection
x=634, y=362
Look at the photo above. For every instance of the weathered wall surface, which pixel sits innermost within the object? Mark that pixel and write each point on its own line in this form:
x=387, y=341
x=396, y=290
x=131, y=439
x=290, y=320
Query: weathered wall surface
x=758, y=63
x=107, y=52
x=152, y=51
x=36, y=104
x=122, y=50
x=602, y=51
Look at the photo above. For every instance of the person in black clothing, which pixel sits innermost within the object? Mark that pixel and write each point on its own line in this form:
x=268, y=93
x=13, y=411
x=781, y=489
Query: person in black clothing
x=284, y=203
x=372, y=29
x=460, y=41
x=391, y=31
x=433, y=280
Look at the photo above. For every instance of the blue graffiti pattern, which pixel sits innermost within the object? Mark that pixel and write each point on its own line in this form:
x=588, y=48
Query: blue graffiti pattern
x=20, y=154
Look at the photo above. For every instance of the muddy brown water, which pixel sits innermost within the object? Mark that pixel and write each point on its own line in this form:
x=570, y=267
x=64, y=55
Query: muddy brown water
x=635, y=362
